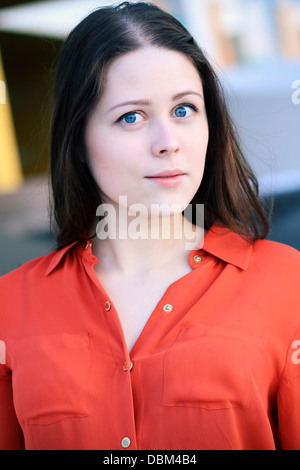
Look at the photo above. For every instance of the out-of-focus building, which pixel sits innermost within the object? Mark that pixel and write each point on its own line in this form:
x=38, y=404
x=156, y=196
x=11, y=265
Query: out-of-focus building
x=255, y=45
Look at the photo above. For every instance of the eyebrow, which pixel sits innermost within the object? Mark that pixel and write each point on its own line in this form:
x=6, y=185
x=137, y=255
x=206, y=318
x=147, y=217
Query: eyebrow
x=148, y=102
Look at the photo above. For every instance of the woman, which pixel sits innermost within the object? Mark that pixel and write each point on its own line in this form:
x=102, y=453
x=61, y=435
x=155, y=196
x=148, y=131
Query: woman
x=128, y=340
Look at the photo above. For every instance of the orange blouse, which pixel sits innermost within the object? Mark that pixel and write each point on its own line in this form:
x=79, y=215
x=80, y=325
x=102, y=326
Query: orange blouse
x=217, y=365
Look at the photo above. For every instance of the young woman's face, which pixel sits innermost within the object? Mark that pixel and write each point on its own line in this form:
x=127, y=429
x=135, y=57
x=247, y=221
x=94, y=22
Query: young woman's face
x=147, y=137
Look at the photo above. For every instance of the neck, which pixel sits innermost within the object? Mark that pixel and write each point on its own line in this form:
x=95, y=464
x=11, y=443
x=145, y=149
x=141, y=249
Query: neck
x=132, y=245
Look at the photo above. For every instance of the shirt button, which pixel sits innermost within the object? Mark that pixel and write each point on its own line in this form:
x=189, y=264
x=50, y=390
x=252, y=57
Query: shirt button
x=125, y=366
x=197, y=258
x=125, y=442
x=167, y=308
x=107, y=306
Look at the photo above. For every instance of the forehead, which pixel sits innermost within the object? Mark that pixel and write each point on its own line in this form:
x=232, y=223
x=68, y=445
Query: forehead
x=150, y=69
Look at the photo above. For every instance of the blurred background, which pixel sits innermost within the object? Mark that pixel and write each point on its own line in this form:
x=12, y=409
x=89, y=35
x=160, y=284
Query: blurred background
x=254, y=46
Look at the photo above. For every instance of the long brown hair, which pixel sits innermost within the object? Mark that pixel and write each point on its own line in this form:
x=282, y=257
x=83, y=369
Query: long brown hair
x=229, y=189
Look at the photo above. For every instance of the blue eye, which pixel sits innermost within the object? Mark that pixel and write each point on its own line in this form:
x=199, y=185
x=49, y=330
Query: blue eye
x=185, y=110
x=130, y=118
x=180, y=111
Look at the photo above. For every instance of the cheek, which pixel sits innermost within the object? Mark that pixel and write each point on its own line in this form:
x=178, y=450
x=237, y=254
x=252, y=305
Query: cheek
x=198, y=148
x=106, y=149
x=109, y=160
x=99, y=151
x=202, y=135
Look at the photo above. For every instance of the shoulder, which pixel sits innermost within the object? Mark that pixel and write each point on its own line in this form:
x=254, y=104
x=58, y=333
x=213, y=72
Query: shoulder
x=273, y=254
x=260, y=255
x=31, y=276
x=276, y=267
x=36, y=268
x=20, y=289
x=35, y=290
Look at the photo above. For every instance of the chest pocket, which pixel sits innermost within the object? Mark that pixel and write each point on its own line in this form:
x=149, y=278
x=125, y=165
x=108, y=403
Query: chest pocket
x=209, y=368
x=50, y=377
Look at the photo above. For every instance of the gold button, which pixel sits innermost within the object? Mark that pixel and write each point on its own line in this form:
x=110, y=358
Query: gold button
x=107, y=306
x=197, y=258
x=167, y=308
x=125, y=366
x=125, y=442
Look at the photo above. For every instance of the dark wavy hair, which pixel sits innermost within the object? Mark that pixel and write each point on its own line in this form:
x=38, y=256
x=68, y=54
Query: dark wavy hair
x=229, y=189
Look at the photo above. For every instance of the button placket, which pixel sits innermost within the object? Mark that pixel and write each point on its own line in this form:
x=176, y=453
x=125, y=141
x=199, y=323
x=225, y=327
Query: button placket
x=123, y=413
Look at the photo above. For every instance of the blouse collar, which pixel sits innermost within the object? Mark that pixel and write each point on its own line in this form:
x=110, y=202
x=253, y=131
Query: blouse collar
x=218, y=241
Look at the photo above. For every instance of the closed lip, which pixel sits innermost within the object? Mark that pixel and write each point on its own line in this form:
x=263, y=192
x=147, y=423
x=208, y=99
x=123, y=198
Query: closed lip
x=167, y=174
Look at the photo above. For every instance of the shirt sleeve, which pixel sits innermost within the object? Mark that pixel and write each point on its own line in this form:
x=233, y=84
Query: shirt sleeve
x=288, y=399
x=11, y=436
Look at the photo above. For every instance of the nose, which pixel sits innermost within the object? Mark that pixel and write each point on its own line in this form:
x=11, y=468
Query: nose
x=165, y=141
